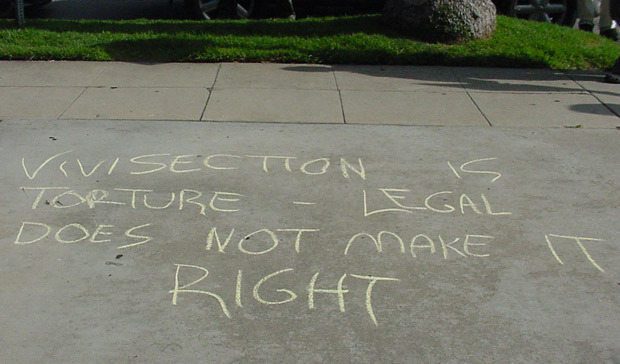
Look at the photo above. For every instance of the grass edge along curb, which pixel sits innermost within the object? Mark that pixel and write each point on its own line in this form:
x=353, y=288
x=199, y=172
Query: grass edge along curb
x=345, y=40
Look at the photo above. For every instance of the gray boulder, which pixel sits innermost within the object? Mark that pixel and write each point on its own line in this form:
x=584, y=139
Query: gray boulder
x=445, y=21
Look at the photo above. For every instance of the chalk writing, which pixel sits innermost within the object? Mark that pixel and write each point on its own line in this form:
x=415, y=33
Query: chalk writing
x=46, y=162
x=372, y=281
x=465, y=204
x=270, y=235
x=579, y=241
x=187, y=163
x=288, y=294
x=32, y=232
x=235, y=293
x=291, y=295
x=463, y=168
x=339, y=291
x=423, y=241
x=135, y=198
x=183, y=288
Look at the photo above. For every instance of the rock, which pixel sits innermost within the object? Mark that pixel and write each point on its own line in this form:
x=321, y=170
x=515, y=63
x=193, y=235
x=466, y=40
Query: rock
x=445, y=21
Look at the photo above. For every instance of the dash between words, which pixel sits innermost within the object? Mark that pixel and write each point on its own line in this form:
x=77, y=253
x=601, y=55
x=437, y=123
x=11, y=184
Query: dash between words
x=382, y=200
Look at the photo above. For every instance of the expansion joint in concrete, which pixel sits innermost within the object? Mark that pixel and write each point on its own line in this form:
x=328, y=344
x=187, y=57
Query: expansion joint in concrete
x=71, y=103
x=344, y=116
x=210, y=91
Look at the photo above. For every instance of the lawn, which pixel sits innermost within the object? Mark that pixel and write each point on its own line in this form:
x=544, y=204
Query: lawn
x=346, y=40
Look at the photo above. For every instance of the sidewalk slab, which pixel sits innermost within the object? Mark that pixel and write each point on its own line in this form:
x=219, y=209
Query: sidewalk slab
x=274, y=105
x=275, y=76
x=139, y=103
x=36, y=102
x=174, y=242
x=397, y=78
x=277, y=93
x=515, y=80
x=544, y=110
x=49, y=73
x=125, y=74
x=410, y=108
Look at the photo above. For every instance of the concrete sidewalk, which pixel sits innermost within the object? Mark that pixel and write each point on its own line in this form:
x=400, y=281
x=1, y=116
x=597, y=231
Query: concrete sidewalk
x=132, y=232
x=295, y=93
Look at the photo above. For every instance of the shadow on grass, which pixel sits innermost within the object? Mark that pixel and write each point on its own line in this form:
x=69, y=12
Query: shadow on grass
x=309, y=27
x=221, y=49
x=346, y=40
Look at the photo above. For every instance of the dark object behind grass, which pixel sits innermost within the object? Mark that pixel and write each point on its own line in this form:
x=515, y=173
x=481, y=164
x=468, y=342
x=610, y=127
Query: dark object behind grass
x=347, y=40
x=614, y=75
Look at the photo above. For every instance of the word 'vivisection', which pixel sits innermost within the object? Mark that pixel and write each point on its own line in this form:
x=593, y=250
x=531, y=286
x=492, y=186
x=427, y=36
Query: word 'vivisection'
x=188, y=163
x=289, y=296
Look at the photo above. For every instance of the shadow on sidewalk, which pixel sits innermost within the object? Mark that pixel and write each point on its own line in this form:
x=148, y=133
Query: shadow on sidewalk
x=595, y=109
x=509, y=79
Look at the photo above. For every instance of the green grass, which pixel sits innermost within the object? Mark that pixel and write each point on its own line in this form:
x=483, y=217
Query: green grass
x=347, y=40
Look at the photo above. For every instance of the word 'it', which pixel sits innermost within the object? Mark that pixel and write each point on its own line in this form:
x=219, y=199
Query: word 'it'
x=188, y=163
x=577, y=240
x=32, y=232
x=389, y=200
x=289, y=296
